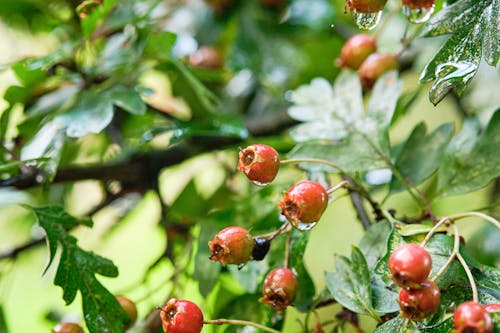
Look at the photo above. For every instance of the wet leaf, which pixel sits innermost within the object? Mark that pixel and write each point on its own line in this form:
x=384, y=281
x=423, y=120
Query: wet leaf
x=473, y=25
x=306, y=290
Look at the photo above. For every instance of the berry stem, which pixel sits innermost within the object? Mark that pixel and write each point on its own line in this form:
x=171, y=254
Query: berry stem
x=285, y=227
x=342, y=184
x=456, y=245
x=223, y=321
x=433, y=230
x=476, y=214
x=287, y=250
x=472, y=283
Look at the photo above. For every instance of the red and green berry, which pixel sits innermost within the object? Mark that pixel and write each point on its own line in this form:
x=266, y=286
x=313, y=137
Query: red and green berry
x=356, y=50
x=472, y=317
x=67, y=328
x=304, y=202
x=232, y=245
x=410, y=265
x=260, y=163
x=420, y=303
x=374, y=66
x=129, y=307
x=280, y=287
x=180, y=316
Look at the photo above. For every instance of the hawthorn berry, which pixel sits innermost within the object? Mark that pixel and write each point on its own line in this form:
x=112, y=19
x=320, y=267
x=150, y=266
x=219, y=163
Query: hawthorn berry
x=417, y=304
x=260, y=163
x=129, y=307
x=472, y=317
x=232, y=245
x=280, y=287
x=356, y=50
x=180, y=316
x=304, y=202
x=206, y=57
x=492, y=307
x=416, y=4
x=366, y=6
x=67, y=328
x=410, y=265
x=374, y=66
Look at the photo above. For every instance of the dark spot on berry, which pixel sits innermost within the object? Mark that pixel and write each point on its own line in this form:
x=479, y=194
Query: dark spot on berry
x=470, y=330
x=248, y=157
x=260, y=248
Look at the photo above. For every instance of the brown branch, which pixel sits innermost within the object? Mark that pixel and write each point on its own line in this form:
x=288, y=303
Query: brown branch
x=357, y=202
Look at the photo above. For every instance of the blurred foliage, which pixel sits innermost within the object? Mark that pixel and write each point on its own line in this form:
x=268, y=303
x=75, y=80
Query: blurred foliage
x=154, y=95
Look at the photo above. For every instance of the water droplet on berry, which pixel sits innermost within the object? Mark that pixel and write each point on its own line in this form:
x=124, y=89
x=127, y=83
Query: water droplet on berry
x=259, y=183
x=418, y=15
x=366, y=21
x=304, y=226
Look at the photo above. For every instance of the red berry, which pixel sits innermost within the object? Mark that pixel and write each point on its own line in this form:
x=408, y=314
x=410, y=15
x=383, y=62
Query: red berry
x=67, y=328
x=260, y=163
x=129, y=308
x=356, y=50
x=366, y=6
x=304, y=202
x=492, y=307
x=417, y=4
x=472, y=317
x=374, y=66
x=232, y=245
x=410, y=265
x=420, y=303
x=206, y=57
x=179, y=316
x=280, y=287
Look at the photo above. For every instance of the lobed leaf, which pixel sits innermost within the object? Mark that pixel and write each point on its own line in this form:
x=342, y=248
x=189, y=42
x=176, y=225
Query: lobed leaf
x=306, y=289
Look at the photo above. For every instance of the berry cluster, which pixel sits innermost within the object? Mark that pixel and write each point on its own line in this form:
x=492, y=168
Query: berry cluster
x=360, y=53
x=410, y=266
x=302, y=205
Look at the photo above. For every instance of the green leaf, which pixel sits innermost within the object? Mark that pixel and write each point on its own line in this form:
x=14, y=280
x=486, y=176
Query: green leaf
x=128, y=99
x=306, y=290
x=205, y=271
x=421, y=154
x=159, y=44
x=445, y=326
x=393, y=242
x=471, y=164
x=3, y=321
x=350, y=284
x=97, y=15
x=366, y=157
x=395, y=325
x=384, y=299
x=91, y=114
x=77, y=269
x=484, y=245
x=474, y=28
x=372, y=245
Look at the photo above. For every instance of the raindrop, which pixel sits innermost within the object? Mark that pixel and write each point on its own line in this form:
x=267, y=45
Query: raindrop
x=366, y=21
x=259, y=183
x=304, y=226
x=418, y=15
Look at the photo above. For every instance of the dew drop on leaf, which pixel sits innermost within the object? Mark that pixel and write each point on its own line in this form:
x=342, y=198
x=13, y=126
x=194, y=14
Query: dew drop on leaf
x=366, y=21
x=418, y=15
x=304, y=226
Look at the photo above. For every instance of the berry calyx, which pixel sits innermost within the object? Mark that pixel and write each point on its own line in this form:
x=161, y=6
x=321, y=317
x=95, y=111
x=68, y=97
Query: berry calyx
x=472, y=317
x=180, y=316
x=304, y=202
x=356, y=50
x=410, y=265
x=280, y=287
x=129, y=307
x=417, y=4
x=492, y=307
x=232, y=245
x=365, y=6
x=206, y=57
x=260, y=248
x=374, y=66
x=260, y=163
x=67, y=328
x=420, y=303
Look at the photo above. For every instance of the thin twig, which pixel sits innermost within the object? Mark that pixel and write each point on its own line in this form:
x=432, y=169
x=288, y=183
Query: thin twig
x=342, y=184
x=456, y=245
x=472, y=283
x=488, y=218
x=223, y=321
x=433, y=230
